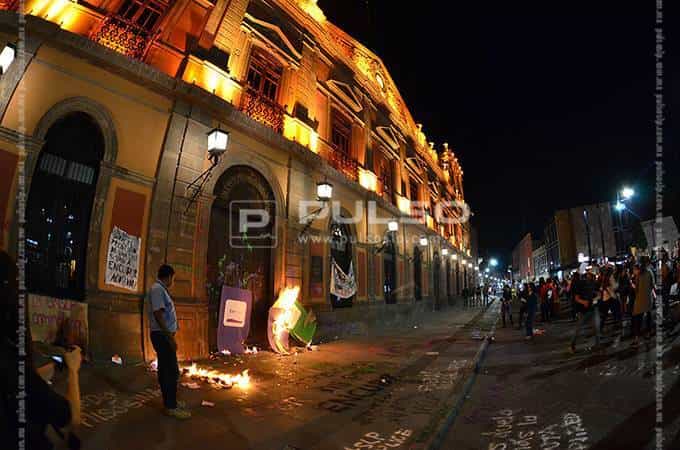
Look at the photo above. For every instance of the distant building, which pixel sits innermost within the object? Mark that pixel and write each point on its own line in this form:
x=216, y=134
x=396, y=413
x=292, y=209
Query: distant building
x=540, y=257
x=522, y=258
x=669, y=234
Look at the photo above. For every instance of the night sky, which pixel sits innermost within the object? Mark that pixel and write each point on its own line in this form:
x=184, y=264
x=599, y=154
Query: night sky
x=547, y=105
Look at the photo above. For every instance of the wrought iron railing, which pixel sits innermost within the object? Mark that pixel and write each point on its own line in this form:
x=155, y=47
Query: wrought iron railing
x=343, y=162
x=123, y=36
x=262, y=109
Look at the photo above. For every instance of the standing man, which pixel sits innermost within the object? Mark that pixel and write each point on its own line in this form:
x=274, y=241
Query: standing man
x=586, y=298
x=163, y=323
x=506, y=307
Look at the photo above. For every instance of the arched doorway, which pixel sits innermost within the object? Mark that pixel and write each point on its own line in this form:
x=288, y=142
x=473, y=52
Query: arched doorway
x=417, y=273
x=436, y=267
x=449, y=287
x=341, y=254
x=238, y=257
x=59, y=207
x=390, y=270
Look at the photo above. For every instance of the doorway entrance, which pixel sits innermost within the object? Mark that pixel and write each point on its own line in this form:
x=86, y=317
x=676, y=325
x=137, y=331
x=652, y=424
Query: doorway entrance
x=390, y=270
x=417, y=274
x=241, y=257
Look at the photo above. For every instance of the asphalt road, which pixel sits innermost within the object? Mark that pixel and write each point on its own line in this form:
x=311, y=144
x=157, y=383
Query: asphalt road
x=536, y=395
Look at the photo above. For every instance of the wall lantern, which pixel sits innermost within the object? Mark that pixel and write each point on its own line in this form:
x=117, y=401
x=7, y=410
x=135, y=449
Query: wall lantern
x=423, y=241
x=454, y=257
x=324, y=191
x=445, y=251
x=392, y=225
x=6, y=57
x=217, y=143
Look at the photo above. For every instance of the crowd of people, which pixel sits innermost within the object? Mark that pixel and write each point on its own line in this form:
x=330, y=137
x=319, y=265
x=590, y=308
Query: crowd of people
x=626, y=291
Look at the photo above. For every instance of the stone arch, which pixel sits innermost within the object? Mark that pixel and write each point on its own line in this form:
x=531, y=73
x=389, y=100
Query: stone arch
x=99, y=113
x=242, y=157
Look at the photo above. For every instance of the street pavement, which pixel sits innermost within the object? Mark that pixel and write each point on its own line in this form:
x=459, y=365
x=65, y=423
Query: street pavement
x=536, y=395
x=385, y=389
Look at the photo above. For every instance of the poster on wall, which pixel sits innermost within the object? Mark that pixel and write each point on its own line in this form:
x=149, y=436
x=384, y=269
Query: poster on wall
x=122, y=260
x=57, y=321
x=234, y=319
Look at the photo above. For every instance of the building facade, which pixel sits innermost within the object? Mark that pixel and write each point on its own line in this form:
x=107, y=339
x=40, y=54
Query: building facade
x=523, y=259
x=104, y=116
x=540, y=257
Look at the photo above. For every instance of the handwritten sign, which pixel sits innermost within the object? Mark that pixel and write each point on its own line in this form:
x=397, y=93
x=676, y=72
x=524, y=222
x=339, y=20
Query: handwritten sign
x=374, y=440
x=122, y=260
x=52, y=318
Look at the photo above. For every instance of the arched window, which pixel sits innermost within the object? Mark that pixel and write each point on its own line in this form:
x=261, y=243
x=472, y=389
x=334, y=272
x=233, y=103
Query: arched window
x=60, y=205
x=417, y=273
x=390, y=269
x=341, y=254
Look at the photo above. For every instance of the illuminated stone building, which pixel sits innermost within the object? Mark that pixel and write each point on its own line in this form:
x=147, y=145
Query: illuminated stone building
x=119, y=98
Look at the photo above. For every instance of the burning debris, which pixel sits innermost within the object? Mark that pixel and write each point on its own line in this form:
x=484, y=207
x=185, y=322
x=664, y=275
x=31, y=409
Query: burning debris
x=288, y=317
x=215, y=378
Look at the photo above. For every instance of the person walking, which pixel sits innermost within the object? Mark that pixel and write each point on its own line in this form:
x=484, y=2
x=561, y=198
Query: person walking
x=522, y=294
x=506, y=306
x=586, y=299
x=608, y=293
x=163, y=324
x=532, y=305
x=571, y=294
x=644, y=290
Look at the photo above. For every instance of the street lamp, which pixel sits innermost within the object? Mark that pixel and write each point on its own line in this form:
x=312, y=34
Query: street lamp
x=423, y=241
x=392, y=225
x=218, y=140
x=493, y=262
x=620, y=206
x=445, y=251
x=454, y=257
x=627, y=193
x=324, y=191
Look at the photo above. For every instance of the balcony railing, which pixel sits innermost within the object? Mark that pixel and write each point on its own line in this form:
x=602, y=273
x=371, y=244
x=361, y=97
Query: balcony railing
x=262, y=109
x=123, y=36
x=341, y=161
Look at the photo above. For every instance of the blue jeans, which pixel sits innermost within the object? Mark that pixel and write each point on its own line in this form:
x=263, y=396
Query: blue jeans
x=592, y=314
x=531, y=311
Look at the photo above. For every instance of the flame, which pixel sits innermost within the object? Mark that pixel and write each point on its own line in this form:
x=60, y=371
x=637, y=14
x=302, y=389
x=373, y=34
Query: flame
x=285, y=316
x=217, y=378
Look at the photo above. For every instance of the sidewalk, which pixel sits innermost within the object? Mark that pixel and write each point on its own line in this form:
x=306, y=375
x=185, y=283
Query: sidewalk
x=392, y=387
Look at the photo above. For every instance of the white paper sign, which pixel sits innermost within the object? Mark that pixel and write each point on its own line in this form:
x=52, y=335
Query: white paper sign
x=122, y=260
x=235, y=313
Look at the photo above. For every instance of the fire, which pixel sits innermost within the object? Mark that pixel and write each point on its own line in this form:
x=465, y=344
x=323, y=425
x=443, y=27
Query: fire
x=216, y=378
x=283, y=316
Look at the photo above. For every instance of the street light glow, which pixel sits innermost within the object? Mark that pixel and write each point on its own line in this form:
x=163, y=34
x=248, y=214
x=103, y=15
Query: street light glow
x=619, y=206
x=493, y=262
x=627, y=193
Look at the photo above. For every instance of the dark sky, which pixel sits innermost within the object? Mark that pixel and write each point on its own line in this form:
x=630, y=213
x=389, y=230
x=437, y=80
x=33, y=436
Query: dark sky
x=547, y=104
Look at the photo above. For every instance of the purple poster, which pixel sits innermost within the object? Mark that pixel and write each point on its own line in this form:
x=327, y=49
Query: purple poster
x=234, y=319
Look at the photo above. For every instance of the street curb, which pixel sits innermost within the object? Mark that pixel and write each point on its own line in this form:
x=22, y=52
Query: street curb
x=435, y=443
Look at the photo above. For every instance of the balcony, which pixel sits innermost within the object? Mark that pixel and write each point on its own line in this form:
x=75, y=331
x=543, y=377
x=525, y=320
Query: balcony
x=123, y=36
x=344, y=163
x=262, y=109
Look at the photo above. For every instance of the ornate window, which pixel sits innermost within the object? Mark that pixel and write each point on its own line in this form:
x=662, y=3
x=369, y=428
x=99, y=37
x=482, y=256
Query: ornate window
x=143, y=13
x=264, y=75
x=341, y=131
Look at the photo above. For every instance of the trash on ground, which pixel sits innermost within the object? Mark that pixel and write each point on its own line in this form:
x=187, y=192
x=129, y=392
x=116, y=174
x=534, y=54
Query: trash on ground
x=117, y=360
x=191, y=385
x=207, y=403
x=432, y=353
x=153, y=365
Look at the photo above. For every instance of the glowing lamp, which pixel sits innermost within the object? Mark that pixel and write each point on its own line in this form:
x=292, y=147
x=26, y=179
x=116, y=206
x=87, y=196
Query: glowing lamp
x=423, y=241
x=445, y=251
x=393, y=225
x=324, y=191
x=217, y=142
x=454, y=257
x=627, y=193
x=476, y=268
x=493, y=262
x=6, y=57
x=619, y=206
